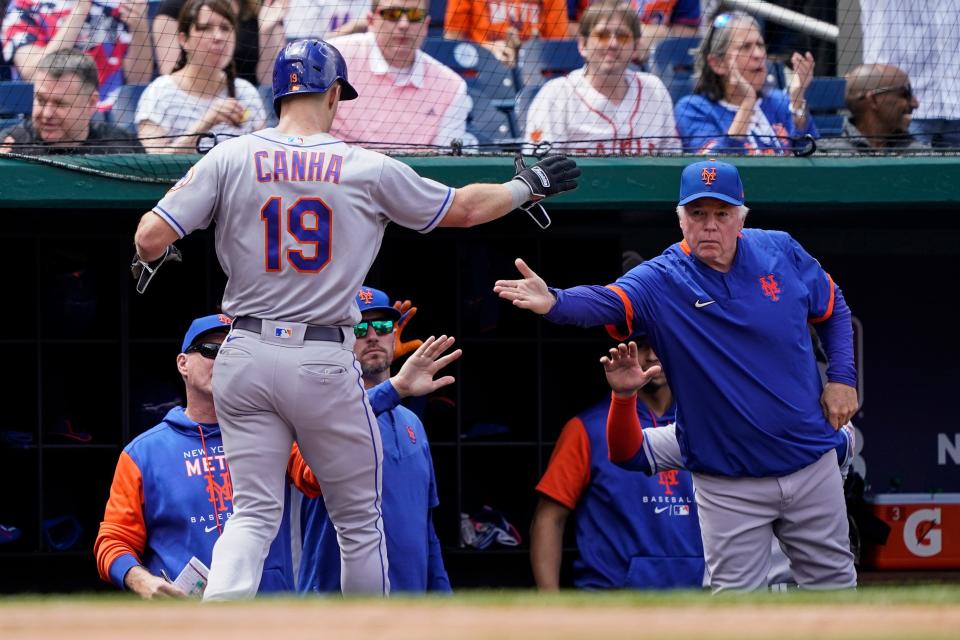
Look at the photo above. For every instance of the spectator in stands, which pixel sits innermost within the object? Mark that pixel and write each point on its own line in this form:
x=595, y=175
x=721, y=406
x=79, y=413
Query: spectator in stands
x=502, y=25
x=730, y=111
x=605, y=107
x=64, y=102
x=881, y=102
x=922, y=38
x=325, y=19
x=202, y=94
x=114, y=33
x=406, y=96
x=260, y=36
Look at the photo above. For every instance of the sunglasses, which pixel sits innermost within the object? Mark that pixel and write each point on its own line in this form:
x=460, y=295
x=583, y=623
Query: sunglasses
x=208, y=350
x=382, y=327
x=604, y=37
x=904, y=91
x=393, y=14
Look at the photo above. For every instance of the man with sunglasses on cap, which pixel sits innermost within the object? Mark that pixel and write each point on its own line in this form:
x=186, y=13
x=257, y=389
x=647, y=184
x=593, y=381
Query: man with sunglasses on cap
x=406, y=96
x=409, y=483
x=881, y=103
x=172, y=493
x=299, y=217
x=727, y=311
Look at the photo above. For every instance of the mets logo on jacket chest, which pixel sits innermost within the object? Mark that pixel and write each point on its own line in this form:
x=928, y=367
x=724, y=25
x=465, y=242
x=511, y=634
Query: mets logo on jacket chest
x=770, y=287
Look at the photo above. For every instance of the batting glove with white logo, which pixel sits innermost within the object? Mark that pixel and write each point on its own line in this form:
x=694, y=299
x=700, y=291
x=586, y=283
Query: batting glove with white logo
x=550, y=176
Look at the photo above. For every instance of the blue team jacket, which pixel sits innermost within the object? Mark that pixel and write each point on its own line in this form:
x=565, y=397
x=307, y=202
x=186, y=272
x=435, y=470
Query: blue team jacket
x=166, y=501
x=742, y=366
x=633, y=530
x=409, y=496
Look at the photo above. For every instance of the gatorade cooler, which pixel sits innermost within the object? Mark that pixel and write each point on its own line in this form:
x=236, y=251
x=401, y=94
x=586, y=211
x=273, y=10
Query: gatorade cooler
x=925, y=531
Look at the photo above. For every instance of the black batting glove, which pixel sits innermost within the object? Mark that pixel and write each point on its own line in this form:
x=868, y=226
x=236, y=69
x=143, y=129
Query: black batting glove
x=143, y=272
x=550, y=176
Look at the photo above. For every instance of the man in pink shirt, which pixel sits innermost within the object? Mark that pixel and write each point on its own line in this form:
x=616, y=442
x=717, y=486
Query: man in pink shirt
x=406, y=96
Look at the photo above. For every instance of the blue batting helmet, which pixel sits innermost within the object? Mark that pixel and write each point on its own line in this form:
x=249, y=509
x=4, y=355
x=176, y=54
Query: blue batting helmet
x=309, y=66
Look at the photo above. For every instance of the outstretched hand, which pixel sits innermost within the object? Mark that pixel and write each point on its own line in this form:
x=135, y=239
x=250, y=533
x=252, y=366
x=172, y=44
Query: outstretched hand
x=529, y=293
x=624, y=373
x=407, y=311
x=415, y=377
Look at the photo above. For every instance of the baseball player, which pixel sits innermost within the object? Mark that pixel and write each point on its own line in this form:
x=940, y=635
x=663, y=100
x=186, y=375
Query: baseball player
x=300, y=216
x=170, y=498
x=727, y=310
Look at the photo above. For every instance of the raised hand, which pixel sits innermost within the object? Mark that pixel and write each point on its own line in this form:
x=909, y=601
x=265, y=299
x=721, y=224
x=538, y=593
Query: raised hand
x=415, y=377
x=624, y=373
x=407, y=311
x=529, y=293
x=740, y=88
x=802, y=76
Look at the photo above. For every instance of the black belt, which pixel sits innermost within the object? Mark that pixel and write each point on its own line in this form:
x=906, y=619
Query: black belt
x=326, y=334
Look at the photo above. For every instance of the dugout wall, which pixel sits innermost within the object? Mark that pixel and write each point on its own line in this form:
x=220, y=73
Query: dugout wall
x=90, y=364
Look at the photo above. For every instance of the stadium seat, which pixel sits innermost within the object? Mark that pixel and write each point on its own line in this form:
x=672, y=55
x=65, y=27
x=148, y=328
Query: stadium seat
x=266, y=94
x=826, y=94
x=541, y=60
x=828, y=124
x=524, y=100
x=438, y=10
x=489, y=83
x=826, y=102
x=125, y=108
x=16, y=102
x=672, y=61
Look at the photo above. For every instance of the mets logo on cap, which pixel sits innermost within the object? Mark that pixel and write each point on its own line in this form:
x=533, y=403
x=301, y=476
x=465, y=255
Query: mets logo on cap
x=366, y=295
x=708, y=175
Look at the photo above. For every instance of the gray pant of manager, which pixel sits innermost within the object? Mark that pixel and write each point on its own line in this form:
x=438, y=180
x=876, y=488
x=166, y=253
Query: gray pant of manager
x=804, y=510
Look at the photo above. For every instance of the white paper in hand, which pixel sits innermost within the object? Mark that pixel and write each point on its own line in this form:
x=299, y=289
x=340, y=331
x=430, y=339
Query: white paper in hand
x=193, y=579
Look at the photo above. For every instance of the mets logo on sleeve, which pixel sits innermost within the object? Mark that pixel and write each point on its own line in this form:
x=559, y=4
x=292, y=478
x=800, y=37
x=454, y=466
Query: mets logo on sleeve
x=770, y=287
x=412, y=434
x=184, y=181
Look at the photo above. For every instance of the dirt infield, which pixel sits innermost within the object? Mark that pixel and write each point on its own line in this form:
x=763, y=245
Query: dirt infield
x=466, y=620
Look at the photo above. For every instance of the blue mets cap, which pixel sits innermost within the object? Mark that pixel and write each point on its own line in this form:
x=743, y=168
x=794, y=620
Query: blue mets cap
x=711, y=179
x=203, y=326
x=370, y=299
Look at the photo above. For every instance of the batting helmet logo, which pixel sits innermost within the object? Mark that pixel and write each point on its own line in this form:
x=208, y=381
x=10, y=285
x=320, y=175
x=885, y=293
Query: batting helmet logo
x=309, y=66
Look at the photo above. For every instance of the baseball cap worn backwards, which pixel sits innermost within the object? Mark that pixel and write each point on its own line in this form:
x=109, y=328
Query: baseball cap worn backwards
x=204, y=325
x=711, y=179
x=370, y=299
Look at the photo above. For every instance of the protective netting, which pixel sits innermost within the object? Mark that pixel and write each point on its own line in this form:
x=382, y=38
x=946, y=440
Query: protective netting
x=662, y=77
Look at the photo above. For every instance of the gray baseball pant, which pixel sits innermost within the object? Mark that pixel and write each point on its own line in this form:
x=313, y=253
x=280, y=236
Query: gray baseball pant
x=268, y=391
x=805, y=510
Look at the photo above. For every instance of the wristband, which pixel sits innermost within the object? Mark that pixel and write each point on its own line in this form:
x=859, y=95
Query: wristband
x=519, y=192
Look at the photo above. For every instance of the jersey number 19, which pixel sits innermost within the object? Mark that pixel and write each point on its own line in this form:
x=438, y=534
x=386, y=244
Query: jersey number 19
x=314, y=232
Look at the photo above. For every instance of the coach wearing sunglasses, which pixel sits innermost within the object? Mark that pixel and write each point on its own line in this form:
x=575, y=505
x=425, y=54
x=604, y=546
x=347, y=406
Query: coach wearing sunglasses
x=881, y=103
x=409, y=483
x=407, y=98
x=172, y=494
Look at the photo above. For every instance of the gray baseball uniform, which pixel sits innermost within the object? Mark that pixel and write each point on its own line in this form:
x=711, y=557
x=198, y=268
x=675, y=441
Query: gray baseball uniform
x=662, y=452
x=299, y=222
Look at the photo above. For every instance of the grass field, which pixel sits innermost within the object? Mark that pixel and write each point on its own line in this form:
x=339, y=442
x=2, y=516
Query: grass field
x=872, y=613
